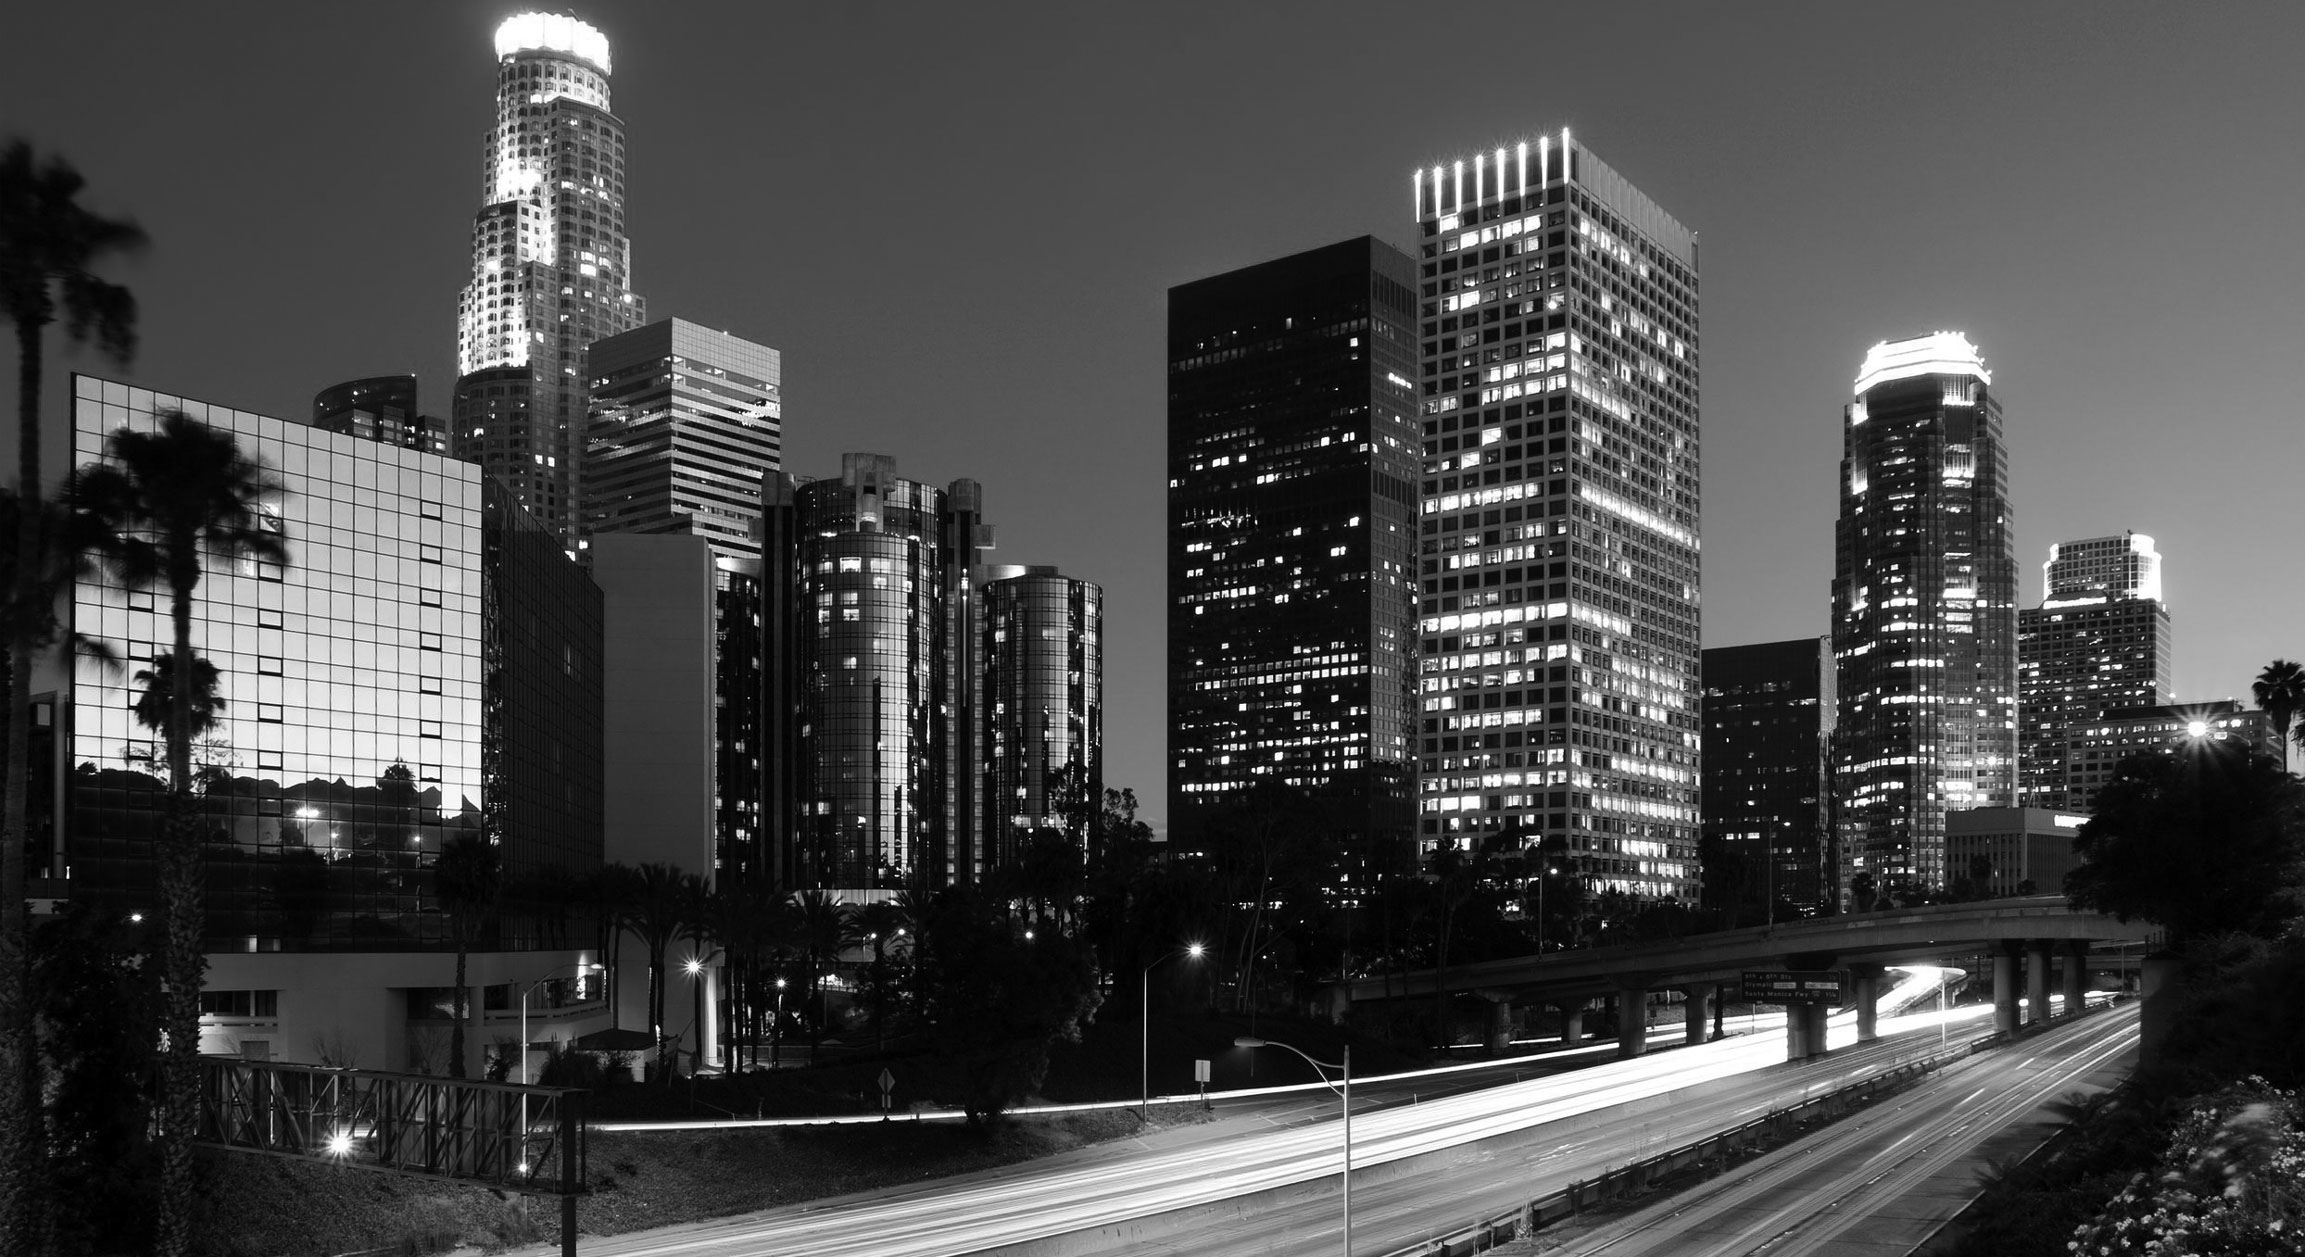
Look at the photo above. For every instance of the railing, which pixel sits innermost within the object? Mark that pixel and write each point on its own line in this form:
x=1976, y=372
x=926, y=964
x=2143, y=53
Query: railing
x=522, y=1139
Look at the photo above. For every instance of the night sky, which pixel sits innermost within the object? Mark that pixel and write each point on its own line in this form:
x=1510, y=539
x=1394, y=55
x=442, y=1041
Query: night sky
x=959, y=224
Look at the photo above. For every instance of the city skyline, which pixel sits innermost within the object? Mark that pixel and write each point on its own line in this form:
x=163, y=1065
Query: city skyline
x=2144, y=358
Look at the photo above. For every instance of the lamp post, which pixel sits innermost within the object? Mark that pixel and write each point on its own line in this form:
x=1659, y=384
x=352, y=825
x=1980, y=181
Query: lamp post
x=581, y=968
x=1347, y=1069
x=694, y=968
x=1144, y=1026
x=775, y=1030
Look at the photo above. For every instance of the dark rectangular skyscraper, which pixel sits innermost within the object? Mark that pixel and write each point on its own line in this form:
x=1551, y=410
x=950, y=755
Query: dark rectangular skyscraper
x=1292, y=524
x=1768, y=773
x=1559, y=337
x=1924, y=610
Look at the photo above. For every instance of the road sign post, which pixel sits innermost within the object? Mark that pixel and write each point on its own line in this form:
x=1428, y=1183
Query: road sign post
x=887, y=1090
x=1201, y=1076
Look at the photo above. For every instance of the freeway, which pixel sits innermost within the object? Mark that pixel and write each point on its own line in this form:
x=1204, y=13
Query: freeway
x=1407, y=1158
x=1882, y=1183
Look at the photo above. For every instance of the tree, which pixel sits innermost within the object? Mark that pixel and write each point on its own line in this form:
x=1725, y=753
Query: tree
x=2203, y=843
x=468, y=878
x=657, y=909
x=170, y=501
x=998, y=1001
x=2280, y=690
x=49, y=244
x=96, y=987
x=822, y=928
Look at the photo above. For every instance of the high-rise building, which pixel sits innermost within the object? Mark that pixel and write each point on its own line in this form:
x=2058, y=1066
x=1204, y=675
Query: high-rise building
x=1291, y=524
x=380, y=408
x=1767, y=787
x=426, y=665
x=2099, y=640
x=1559, y=341
x=551, y=266
x=685, y=421
x=1043, y=709
x=885, y=678
x=1924, y=610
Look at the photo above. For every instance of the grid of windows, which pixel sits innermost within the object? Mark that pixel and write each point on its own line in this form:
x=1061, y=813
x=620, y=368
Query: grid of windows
x=1924, y=610
x=349, y=748
x=1767, y=791
x=1558, y=546
x=1292, y=512
x=1043, y=710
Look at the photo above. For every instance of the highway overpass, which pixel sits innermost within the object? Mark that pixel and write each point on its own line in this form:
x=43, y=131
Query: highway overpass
x=2024, y=935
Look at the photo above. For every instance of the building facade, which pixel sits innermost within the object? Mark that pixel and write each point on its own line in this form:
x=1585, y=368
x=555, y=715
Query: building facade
x=1767, y=794
x=2099, y=640
x=380, y=408
x=427, y=665
x=551, y=266
x=1043, y=710
x=684, y=422
x=2003, y=851
x=2096, y=746
x=1559, y=548
x=1292, y=516
x=1924, y=610
x=883, y=591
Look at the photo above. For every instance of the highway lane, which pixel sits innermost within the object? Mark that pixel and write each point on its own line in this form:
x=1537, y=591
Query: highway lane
x=1883, y=1182
x=1585, y=1111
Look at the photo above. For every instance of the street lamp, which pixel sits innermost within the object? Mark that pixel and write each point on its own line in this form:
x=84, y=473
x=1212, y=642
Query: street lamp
x=694, y=968
x=582, y=967
x=1347, y=1106
x=1144, y=1026
x=775, y=1031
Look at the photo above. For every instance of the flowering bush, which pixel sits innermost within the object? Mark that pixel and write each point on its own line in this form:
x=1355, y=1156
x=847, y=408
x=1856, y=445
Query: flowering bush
x=2232, y=1182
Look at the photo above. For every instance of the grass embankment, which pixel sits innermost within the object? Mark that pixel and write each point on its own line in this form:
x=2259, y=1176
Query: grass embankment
x=272, y=1207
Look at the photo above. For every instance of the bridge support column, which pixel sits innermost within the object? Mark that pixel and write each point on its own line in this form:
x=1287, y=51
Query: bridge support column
x=2160, y=982
x=1572, y=1022
x=1865, y=992
x=1340, y=1002
x=1804, y=1031
x=2037, y=982
x=2076, y=975
x=1632, y=1021
x=1500, y=1025
x=2005, y=991
x=1698, y=1009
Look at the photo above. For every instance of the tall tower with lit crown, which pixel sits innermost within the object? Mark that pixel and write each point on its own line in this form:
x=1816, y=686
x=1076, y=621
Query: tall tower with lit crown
x=1924, y=610
x=551, y=265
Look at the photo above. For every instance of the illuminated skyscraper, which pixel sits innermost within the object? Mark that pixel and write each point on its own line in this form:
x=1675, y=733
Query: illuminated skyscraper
x=1560, y=495
x=379, y=408
x=1043, y=708
x=1291, y=526
x=2099, y=640
x=550, y=265
x=1924, y=609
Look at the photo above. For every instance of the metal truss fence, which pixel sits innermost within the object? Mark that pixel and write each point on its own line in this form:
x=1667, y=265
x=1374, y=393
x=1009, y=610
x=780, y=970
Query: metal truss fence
x=522, y=1139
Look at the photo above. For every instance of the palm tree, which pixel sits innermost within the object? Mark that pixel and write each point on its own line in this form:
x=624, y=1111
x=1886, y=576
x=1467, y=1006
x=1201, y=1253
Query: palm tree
x=824, y=927
x=48, y=242
x=657, y=914
x=607, y=894
x=468, y=878
x=2280, y=690
x=698, y=917
x=170, y=501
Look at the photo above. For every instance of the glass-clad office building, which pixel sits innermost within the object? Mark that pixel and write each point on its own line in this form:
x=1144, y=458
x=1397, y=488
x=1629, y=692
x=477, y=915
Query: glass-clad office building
x=1043, y=708
x=370, y=714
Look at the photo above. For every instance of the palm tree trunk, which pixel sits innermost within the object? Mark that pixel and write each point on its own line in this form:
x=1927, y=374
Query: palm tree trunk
x=180, y=1066
x=179, y=871
x=456, y=1024
x=23, y=1197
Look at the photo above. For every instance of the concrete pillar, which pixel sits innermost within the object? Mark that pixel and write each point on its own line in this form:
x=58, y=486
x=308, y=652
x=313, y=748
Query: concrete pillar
x=2161, y=988
x=1572, y=1022
x=1698, y=1009
x=1500, y=1026
x=1632, y=1022
x=2037, y=982
x=1340, y=1002
x=2076, y=972
x=1865, y=991
x=1796, y=1035
x=1817, y=1014
x=2005, y=992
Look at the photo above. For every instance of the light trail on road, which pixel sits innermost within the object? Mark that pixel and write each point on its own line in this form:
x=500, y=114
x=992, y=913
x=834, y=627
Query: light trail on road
x=1039, y=1200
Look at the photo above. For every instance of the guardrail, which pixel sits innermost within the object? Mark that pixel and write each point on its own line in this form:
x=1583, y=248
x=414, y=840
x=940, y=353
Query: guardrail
x=1504, y=1227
